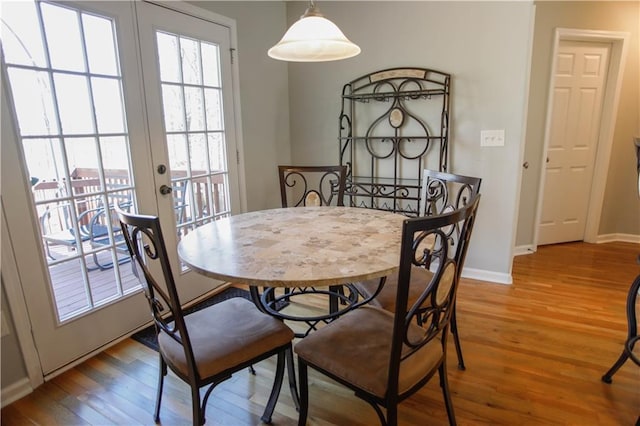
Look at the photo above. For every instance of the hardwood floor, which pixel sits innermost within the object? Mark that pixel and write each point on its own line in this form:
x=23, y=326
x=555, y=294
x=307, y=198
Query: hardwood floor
x=535, y=352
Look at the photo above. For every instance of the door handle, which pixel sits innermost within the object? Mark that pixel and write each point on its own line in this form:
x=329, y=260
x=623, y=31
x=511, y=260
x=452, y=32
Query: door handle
x=525, y=165
x=165, y=190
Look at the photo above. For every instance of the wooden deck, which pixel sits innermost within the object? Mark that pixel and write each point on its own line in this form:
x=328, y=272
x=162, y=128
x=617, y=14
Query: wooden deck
x=70, y=293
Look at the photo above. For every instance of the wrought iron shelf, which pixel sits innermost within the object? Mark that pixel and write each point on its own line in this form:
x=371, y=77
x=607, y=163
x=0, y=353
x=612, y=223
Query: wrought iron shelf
x=385, y=181
x=386, y=148
x=406, y=95
x=384, y=138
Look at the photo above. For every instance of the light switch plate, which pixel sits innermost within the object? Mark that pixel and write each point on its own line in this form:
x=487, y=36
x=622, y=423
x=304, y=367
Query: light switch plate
x=492, y=137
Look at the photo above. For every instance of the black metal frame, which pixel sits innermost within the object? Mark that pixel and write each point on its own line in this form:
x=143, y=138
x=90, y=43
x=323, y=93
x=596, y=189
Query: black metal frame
x=441, y=193
x=269, y=302
x=632, y=333
x=438, y=200
x=435, y=320
x=391, y=145
x=145, y=242
x=633, y=298
x=331, y=182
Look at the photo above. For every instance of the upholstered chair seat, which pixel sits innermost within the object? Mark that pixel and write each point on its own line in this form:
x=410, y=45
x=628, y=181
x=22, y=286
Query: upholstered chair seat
x=386, y=299
x=215, y=349
x=364, y=361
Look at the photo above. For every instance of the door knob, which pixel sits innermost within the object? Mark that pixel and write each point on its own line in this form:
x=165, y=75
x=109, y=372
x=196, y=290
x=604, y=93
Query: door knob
x=165, y=190
x=525, y=165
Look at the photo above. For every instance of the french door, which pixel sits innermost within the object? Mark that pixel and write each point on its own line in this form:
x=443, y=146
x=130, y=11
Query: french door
x=112, y=104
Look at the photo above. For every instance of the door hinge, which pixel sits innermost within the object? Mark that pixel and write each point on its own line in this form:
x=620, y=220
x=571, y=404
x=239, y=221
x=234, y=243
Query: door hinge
x=231, y=53
x=237, y=156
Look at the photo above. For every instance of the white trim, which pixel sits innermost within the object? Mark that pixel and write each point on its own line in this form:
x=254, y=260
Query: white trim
x=485, y=275
x=194, y=11
x=619, y=44
x=525, y=249
x=235, y=76
x=15, y=391
x=516, y=251
x=18, y=307
x=12, y=279
x=626, y=238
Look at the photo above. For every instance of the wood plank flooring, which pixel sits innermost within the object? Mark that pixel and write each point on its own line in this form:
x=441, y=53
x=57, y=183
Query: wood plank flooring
x=535, y=352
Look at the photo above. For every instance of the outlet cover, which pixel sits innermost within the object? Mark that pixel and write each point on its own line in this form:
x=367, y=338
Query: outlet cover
x=492, y=137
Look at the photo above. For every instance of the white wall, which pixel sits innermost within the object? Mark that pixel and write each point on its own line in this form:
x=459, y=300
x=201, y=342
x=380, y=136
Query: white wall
x=484, y=45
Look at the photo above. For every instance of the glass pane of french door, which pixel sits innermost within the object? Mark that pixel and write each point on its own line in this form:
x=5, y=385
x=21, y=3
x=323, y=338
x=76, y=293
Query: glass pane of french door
x=77, y=142
x=189, y=97
x=63, y=69
x=194, y=128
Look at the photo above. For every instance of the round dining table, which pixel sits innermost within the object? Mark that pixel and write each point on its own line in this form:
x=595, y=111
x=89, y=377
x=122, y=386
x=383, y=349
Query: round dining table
x=296, y=247
x=307, y=250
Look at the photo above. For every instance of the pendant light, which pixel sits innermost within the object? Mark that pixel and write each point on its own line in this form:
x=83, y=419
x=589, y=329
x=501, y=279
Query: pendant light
x=313, y=38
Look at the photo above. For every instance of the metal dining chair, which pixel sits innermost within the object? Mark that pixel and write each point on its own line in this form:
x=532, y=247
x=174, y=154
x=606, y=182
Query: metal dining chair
x=386, y=357
x=313, y=186
x=206, y=347
x=633, y=303
x=441, y=193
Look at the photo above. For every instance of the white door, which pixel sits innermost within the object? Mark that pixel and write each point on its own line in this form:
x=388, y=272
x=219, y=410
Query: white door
x=579, y=83
x=187, y=81
x=81, y=145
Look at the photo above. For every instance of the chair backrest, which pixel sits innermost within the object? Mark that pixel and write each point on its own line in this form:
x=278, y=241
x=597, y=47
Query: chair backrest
x=312, y=185
x=434, y=307
x=445, y=192
x=146, y=246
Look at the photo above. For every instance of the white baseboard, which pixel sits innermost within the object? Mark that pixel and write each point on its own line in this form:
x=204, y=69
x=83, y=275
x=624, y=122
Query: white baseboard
x=625, y=238
x=484, y=275
x=16, y=391
x=526, y=249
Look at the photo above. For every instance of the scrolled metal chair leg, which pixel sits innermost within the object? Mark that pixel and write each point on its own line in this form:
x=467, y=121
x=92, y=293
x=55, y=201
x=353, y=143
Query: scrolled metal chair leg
x=608, y=376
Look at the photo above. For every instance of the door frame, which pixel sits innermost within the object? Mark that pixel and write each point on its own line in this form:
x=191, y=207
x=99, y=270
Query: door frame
x=14, y=282
x=613, y=85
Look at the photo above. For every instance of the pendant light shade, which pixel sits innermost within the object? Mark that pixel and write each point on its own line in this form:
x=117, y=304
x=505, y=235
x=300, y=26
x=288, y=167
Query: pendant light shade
x=313, y=38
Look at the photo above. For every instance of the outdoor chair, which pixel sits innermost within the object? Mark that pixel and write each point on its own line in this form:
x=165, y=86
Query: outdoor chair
x=441, y=193
x=386, y=357
x=206, y=347
x=58, y=228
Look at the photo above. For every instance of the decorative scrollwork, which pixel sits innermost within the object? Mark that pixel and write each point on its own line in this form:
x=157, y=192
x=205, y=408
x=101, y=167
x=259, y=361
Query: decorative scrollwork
x=395, y=134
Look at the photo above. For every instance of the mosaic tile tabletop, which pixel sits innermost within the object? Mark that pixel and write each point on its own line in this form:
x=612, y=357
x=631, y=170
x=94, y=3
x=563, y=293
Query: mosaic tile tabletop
x=295, y=247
